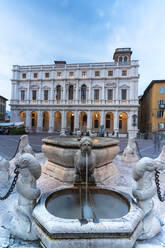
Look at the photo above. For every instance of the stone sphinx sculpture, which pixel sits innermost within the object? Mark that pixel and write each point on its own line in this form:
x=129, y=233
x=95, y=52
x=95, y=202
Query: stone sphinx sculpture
x=143, y=174
x=24, y=146
x=85, y=157
x=129, y=154
x=29, y=172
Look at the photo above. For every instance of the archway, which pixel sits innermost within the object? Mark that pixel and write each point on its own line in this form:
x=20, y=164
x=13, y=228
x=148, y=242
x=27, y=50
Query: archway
x=109, y=122
x=57, y=121
x=22, y=117
x=83, y=122
x=34, y=120
x=95, y=121
x=70, y=121
x=45, y=123
x=123, y=117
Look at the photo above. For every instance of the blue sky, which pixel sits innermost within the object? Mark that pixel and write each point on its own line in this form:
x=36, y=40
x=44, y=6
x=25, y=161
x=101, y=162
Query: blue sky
x=39, y=31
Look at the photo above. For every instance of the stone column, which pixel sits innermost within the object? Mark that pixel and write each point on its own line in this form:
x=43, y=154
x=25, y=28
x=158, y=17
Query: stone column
x=89, y=121
x=28, y=119
x=76, y=121
x=63, y=126
x=39, y=121
x=77, y=88
x=102, y=122
x=51, y=122
x=64, y=93
x=89, y=95
x=116, y=122
x=103, y=94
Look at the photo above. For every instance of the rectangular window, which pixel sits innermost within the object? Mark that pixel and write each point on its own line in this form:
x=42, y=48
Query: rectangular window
x=35, y=74
x=47, y=74
x=22, y=95
x=71, y=74
x=34, y=95
x=97, y=73
x=45, y=95
x=110, y=94
x=84, y=74
x=58, y=74
x=23, y=75
x=161, y=125
x=162, y=90
x=110, y=73
x=160, y=114
x=96, y=94
x=124, y=72
x=124, y=94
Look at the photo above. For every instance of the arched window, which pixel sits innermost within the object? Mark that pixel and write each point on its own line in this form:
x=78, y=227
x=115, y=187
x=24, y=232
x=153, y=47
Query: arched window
x=71, y=92
x=125, y=58
x=120, y=59
x=134, y=120
x=83, y=92
x=58, y=95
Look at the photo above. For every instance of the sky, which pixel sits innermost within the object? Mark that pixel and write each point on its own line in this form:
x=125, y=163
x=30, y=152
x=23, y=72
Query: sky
x=40, y=31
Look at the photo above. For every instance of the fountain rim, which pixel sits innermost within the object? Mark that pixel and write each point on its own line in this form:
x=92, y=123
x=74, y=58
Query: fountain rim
x=75, y=143
x=55, y=224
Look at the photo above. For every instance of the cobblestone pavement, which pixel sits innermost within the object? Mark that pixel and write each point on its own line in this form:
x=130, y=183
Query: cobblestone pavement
x=8, y=145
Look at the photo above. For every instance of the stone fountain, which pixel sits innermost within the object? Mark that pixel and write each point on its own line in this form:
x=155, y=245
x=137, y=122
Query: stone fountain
x=61, y=152
x=86, y=214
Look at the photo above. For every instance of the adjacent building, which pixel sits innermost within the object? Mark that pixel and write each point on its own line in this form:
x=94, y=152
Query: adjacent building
x=152, y=108
x=2, y=108
x=81, y=96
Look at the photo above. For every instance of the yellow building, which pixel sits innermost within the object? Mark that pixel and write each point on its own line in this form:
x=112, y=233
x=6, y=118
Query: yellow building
x=152, y=108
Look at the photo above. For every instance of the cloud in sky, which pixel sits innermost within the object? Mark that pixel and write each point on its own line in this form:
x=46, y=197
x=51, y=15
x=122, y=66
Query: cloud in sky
x=37, y=32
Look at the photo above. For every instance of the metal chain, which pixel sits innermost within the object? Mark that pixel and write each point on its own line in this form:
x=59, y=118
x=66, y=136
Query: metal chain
x=161, y=198
x=15, y=177
x=12, y=185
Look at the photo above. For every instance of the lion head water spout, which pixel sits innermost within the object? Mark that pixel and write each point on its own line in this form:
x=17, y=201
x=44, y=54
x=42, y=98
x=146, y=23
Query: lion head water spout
x=85, y=162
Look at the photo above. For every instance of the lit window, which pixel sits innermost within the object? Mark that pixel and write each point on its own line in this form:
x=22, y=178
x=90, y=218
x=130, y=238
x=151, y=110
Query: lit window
x=110, y=94
x=47, y=74
x=71, y=74
x=110, y=73
x=161, y=125
x=84, y=74
x=35, y=74
x=124, y=72
x=123, y=94
x=97, y=73
x=96, y=94
x=34, y=95
x=22, y=95
x=45, y=95
x=23, y=75
x=162, y=90
x=58, y=74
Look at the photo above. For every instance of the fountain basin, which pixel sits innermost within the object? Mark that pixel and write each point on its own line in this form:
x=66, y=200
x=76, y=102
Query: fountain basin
x=55, y=228
x=61, y=151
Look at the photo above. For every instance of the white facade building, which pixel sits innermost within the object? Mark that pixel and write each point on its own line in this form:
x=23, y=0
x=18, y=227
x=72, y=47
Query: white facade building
x=80, y=96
